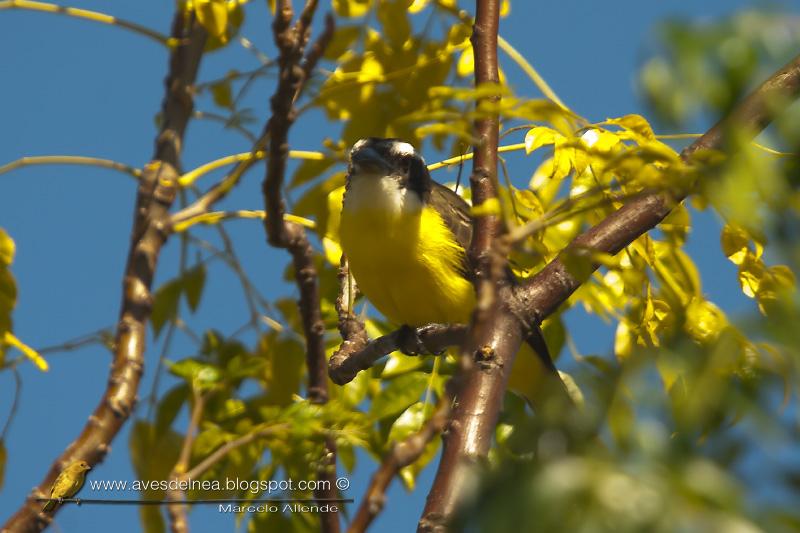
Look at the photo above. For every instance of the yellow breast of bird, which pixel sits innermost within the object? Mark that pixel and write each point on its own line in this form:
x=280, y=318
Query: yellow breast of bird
x=407, y=263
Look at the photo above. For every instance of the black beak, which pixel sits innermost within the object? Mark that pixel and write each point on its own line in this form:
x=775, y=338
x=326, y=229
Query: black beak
x=367, y=159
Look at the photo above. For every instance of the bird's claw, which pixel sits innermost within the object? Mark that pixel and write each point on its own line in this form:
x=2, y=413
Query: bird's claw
x=412, y=343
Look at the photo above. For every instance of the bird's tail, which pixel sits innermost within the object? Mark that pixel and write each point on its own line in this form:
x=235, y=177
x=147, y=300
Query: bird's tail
x=536, y=378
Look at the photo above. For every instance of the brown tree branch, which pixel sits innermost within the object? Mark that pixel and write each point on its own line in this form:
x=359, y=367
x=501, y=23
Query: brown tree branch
x=293, y=63
x=496, y=334
x=177, y=511
x=156, y=193
x=352, y=358
x=402, y=454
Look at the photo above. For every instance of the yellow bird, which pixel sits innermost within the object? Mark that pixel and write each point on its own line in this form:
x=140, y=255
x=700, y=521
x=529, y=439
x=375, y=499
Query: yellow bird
x=405, y=237
x=67, y=484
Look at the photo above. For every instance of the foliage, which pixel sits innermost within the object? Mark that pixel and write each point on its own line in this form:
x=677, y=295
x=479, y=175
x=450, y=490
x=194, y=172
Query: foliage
x=676, y=407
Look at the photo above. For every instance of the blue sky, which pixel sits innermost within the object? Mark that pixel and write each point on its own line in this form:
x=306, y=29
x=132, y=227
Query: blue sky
x=75, y=87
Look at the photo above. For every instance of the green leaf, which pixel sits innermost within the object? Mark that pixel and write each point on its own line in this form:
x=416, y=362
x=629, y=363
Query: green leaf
x=342, y=41
x=394, y=20
x=554, y=335
x=147, y=464
x=286, y=362
x=409, y=473
x=399, y=395
x=347, y=456
x=410, y=422
x=222, y=94
x=169, y=406
x=310, y=169
x=194, y=281
x=165, y=305
x=196, y=373
x=245, y=365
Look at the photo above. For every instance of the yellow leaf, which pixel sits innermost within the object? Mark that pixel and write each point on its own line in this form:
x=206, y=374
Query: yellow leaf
x=541, y=136
x=623, y=347
x=505, y=8
x=563, y=156
x=677, y=224
x=212, y=15
x=333, y=251
x=658, y=152
x=272, y=4
x=27, y=351
x=417, y=6
x=783, y=276
x=371, y=70
x=735, y=243
x=7, y=248
x=330, y=241
x=546, y=188
x=636, y=124
x=751, y=272
x=458, y=36
x=599, y=139
x=466, y=62
x=704, y=320
x=351, y=8
x=489, y=207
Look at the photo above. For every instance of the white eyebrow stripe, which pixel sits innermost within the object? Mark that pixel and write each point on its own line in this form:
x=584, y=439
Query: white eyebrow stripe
x=402, y=148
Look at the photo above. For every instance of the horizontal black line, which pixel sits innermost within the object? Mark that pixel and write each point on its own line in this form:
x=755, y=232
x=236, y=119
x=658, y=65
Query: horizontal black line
x=94, y=501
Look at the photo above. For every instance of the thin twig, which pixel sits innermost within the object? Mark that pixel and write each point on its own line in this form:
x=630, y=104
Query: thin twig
x=403, y=454
x=177, y=511
x=294, y=63
x=71, y=160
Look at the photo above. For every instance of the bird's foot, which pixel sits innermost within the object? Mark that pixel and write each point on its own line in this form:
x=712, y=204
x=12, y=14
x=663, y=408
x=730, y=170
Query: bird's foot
x=411, y=340
x=78, y=502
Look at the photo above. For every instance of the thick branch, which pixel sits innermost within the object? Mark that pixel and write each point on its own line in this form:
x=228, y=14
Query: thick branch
x=156, y=193
x=355, y=354
x=496, y=334
x=291, y=41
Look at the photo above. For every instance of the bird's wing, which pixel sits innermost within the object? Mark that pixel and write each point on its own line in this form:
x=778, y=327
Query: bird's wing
x=61, y=485
x=455, y=213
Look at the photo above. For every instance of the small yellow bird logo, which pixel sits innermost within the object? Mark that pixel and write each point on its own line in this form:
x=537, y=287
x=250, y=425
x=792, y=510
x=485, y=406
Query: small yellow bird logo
x=67, y=484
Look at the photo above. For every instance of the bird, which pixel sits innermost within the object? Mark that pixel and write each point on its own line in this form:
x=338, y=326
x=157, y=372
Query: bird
x=405, y=238
x=67, y=484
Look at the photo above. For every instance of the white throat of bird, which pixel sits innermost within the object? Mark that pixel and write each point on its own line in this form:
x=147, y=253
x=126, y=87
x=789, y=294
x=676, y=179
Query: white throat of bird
x=385, y=194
